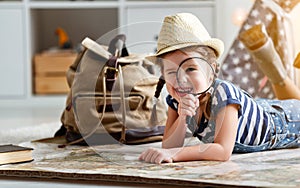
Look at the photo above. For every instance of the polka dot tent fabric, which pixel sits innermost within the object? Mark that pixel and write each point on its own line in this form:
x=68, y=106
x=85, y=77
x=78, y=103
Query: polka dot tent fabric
x=287, y=5
x=239, y=67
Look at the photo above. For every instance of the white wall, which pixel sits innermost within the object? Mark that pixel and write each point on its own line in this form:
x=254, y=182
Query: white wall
x=35, y=40
x=227, y=31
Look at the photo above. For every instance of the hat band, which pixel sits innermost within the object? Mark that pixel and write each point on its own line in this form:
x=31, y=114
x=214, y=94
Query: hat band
x=177, y=46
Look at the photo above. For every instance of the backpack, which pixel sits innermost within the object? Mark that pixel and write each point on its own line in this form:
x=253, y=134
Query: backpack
x=111, y=97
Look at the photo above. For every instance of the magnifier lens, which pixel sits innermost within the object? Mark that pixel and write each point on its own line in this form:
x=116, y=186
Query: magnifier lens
x=195, y=75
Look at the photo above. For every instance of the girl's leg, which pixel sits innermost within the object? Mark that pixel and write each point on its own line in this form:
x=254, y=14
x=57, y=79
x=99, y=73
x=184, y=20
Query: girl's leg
x=262, y=48
x=286, y=90
x=288, y=123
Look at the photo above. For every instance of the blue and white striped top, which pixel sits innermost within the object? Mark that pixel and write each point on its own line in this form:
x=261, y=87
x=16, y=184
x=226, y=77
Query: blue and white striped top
x=253, y=122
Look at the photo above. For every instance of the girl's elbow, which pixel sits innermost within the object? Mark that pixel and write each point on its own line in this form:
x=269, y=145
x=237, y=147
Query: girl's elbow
x=227, y=156
x=225, y=153
x=224, y=156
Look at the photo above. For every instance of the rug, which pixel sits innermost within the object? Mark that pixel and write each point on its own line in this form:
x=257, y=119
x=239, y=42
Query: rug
x=26, y=134
x=119, y=163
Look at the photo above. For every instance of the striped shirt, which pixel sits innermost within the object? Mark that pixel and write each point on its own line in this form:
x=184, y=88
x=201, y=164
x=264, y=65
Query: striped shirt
x=253, y=122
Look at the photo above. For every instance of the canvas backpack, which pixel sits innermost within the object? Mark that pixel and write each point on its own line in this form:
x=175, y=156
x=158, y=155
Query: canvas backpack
x=111, y=97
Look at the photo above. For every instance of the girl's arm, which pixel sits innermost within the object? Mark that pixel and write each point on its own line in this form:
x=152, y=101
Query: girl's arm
x=220, y=150
x=174, y=131
x=225, y=134
x=176, y=126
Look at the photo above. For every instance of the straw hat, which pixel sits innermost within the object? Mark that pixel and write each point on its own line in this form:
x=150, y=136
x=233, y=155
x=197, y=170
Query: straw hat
x=183, y=30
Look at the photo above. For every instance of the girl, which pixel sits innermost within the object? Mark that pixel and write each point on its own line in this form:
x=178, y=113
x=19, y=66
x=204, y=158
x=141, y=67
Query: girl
x=227, y=119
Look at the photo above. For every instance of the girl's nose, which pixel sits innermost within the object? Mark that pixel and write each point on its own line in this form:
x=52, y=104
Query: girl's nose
x=182, y=81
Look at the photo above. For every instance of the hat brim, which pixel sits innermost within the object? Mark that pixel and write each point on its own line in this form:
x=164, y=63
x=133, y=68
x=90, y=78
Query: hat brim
x=214, y=43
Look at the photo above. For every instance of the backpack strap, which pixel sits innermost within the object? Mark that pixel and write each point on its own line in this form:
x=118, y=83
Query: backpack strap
x=111, y=72
x=123, y=105
x=118, y=48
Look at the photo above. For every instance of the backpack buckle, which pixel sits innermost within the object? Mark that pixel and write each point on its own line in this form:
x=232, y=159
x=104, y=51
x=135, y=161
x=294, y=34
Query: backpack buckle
x=110, y=70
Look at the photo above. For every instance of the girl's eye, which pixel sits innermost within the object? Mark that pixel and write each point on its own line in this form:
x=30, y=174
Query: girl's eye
x=190, y=69
x=171, y=72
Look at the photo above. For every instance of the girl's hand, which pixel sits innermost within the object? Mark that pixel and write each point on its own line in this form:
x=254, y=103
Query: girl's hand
x=159, y=155
x=188, y=105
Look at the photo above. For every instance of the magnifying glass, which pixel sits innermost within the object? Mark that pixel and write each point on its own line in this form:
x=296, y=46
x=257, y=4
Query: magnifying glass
x=195, y=76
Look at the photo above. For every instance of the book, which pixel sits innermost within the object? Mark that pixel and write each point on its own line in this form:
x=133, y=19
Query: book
x=15, y=154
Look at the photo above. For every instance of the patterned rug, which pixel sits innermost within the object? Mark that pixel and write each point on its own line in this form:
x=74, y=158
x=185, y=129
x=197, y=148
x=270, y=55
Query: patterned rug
x=119, y=163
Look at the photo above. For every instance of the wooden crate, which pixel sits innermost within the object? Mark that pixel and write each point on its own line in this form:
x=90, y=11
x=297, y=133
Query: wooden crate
x=50, y=72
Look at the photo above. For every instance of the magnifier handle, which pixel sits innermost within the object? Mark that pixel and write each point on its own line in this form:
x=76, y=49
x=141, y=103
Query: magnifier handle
x=188, y=120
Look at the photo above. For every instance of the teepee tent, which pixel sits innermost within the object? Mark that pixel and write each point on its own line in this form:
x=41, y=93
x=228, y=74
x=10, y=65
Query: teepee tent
x=280, y=19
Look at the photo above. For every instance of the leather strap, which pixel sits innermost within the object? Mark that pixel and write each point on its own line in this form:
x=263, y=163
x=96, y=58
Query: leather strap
x=111, y=72
x=123, y=105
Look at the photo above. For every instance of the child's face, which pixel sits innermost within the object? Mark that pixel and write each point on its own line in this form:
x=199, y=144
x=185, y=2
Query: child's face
x=192, y=80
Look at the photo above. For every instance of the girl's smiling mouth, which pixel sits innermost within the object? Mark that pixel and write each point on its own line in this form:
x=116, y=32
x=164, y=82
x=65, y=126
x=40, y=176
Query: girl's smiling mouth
x=181, y=92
